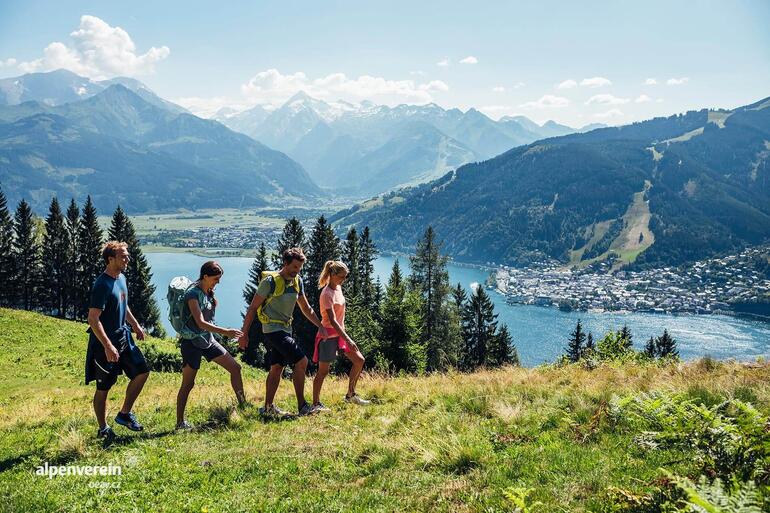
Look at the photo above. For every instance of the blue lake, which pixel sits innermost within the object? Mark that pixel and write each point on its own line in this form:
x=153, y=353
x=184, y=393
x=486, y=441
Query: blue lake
x=539, y=333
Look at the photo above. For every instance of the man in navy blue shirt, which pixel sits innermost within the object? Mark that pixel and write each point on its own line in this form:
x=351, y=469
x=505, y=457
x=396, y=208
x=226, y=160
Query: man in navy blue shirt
x=111, y=349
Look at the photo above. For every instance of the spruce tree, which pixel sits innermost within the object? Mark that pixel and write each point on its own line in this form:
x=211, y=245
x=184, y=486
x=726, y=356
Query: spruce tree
x=459, y=295
x=55, y=259
x=650, y=350
x=590, y=345
x=576, y=344
x=502, y=351
x=90, y=263
x=7, y=257
x=351, y=256
x=479, y=327
x=367, y=255
x=255, y=352
x=141, y=290
x=665, y=346
x=28, y=257
x=395, y=336
x=293, y=236
x=72, y=269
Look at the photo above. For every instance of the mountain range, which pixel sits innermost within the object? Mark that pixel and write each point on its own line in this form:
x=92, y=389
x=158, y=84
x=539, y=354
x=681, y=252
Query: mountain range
x=658, y=192
x=366, y=149
x=120, y=143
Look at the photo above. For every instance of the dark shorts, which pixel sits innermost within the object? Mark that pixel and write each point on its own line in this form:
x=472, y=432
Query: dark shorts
x=194, y=349
x=131, y=362
x=328, y=349
x=282, y=349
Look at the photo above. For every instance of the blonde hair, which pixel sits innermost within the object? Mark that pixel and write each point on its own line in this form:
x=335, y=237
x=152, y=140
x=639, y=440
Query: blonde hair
x=331, y=267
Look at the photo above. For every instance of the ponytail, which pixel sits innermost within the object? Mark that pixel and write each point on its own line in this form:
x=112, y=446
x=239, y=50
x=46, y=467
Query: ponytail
x=331, y=267
x=211, y=268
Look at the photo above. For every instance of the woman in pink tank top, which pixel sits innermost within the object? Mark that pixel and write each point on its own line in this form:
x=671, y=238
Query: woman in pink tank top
x=333, y=320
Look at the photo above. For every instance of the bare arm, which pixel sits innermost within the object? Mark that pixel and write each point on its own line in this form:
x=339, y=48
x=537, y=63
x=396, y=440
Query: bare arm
x=134, y=324
x=96, y=327
x=203, y=324
x=243, y=341
x=308, y=312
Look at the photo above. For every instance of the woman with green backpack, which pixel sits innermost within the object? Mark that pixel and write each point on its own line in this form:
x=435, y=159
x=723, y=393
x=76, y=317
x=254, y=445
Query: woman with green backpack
x=197, y=339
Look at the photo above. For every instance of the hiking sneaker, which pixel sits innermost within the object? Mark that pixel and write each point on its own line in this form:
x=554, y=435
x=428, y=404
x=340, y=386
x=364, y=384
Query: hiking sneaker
x=184, y=426
x=356, y=399
x=307, y=409
x=107, y=433
x=321, y=407
x=128, y=420
x=274, y=412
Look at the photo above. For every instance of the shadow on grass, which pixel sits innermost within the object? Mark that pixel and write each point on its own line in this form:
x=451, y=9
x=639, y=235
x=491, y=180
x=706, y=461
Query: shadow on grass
x=121, y=440
x=9, y=463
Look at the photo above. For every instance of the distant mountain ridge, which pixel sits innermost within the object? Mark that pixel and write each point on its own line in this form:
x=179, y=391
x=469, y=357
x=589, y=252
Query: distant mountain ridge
x=663, y=191
x=124, y=146
x=337, y=141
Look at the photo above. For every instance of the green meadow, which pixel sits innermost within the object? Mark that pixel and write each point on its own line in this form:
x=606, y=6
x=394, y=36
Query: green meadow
x=617, y=437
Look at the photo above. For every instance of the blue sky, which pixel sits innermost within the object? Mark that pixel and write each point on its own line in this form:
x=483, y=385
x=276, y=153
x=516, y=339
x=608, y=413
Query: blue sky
x=206, y=55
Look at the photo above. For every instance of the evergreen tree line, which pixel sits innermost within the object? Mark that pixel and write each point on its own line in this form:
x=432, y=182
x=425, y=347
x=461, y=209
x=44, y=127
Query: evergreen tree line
x=415, y=323
x=49, y=265
x=616, y=345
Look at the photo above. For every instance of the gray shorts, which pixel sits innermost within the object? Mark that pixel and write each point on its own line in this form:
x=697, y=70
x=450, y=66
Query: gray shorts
x=327, y=349
x=204, y=346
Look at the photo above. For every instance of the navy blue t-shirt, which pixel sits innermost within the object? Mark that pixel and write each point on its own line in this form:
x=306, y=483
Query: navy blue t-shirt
x=110, y=295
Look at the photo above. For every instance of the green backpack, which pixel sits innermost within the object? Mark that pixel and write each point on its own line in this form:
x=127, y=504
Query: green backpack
x=175, y=296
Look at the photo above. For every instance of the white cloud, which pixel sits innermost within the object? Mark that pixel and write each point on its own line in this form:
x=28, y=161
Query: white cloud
x=418, y=73
x=519, y=85
x=470, y=60
x=271, y=86
x=612, y=113
x=567, y=84
x=659, y=100
x=546, y=101
x=650, y=81
x=595, y=82
x=643, y=98
x=606, y=99
x=677, y=81
x=498, y=89
x=98, y=51
x=8, y=63
x=443, y=63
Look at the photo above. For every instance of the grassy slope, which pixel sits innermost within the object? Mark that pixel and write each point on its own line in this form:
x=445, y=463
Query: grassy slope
x=446, y=443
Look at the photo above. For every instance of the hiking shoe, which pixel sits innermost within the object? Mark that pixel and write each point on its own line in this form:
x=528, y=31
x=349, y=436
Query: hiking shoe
x=307, y=409
x=184, y=426
x=356, y=399
x=107, y=433
x=320, y=407
x=128, y=420
x=274, y=412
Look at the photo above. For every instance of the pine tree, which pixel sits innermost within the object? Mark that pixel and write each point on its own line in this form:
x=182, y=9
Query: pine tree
x=665, y=346
x=351, y=256
x=90, y=263
x=367, y=255
x=323, y=245
x=590, y=345
x=55, y=258
x=576, y=344
x=459, y=295
x=502, y=351
x=479, y=326
x=72, y=269
x=255, y=352
x=626, y=337
x=650, y=350
x=293, y=236
x=431, y=279
x=7, y=257
x=28, y=257
x=141, y=290
x=396, y=330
